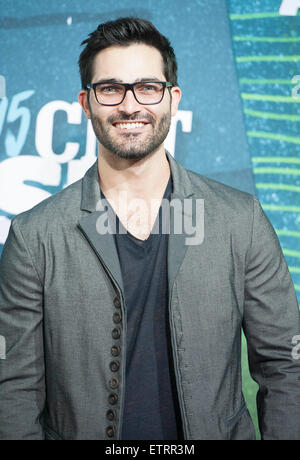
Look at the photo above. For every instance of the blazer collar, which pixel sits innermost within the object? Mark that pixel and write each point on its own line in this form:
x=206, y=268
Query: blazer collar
x=182, y=187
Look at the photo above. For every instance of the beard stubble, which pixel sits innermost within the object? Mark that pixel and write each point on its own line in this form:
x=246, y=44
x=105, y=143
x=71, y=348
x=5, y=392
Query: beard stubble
x=129, y=146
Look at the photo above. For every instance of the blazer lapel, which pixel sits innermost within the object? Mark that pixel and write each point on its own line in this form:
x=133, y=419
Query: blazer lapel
x=180, y=218
x=103, y=243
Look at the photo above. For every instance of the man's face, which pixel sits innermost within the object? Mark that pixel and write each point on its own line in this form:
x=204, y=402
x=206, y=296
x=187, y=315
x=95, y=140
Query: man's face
x=116, y=127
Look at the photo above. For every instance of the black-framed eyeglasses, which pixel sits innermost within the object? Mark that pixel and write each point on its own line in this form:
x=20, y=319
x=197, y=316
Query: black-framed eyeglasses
x=145, y=92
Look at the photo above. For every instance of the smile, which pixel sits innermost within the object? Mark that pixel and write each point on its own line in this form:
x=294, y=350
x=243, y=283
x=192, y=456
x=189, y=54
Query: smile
x=131, y=125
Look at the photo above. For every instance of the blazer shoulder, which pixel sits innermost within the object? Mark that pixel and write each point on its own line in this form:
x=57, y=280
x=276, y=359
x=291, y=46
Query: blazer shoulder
x=229, y=212
x=59, y=206
x=214, y=191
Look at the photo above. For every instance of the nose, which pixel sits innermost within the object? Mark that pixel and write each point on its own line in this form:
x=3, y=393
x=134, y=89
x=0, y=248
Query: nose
x=130, y=104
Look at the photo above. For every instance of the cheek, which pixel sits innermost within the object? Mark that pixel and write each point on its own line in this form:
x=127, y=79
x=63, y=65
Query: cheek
x=103, y=117
x=162, y=111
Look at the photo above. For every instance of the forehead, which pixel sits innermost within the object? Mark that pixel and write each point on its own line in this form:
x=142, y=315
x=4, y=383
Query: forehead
x=128, y=63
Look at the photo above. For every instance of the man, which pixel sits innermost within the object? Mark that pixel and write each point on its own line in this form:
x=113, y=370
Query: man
x=135, y=333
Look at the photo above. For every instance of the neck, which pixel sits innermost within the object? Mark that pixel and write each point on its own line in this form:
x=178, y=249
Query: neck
x=146, y=178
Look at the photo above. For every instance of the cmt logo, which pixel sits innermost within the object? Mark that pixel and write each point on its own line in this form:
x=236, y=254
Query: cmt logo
x=289, y=7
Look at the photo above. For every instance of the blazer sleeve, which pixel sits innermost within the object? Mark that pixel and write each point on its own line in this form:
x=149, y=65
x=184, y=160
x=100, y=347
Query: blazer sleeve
x=272, y=328
x=22, y=383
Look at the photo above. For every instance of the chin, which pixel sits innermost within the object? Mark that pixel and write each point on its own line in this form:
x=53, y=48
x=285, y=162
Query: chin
x=131, y=155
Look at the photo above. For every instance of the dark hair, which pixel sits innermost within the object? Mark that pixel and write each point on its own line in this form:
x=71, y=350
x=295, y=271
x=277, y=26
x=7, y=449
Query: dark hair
x=124, y=32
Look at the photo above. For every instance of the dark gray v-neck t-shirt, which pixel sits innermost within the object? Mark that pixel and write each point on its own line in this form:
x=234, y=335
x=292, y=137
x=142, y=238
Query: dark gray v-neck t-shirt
x=151, y=410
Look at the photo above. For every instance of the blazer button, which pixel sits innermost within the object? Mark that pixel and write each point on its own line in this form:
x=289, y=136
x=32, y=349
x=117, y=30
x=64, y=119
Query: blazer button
x=116, y=333
x=114, y=366
x=110, y=415
x=113, y=399
x=117, y=302
x=117, y=317
x=113, y=383
x=110, y=431
x=115, y=351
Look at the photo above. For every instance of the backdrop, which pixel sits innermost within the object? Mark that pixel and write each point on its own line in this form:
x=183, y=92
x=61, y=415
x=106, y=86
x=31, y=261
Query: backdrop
x=239, y=116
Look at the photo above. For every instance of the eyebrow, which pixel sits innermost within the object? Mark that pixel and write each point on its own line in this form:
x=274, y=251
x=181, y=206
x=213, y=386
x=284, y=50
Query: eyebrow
x=114, y=80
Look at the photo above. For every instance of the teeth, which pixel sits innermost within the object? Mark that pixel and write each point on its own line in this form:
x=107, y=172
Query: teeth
x=129, y=125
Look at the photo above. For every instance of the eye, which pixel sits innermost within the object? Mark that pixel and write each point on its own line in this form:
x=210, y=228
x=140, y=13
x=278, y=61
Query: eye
x=109, y=89
x=147, y=88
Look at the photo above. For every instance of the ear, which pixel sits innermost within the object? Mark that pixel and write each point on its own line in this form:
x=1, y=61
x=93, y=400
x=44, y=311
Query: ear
x=83, y=101
x=176, y=96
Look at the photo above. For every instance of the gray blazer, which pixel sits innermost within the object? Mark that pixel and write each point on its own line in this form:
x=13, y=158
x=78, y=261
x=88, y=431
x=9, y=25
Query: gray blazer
x=60, y=282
